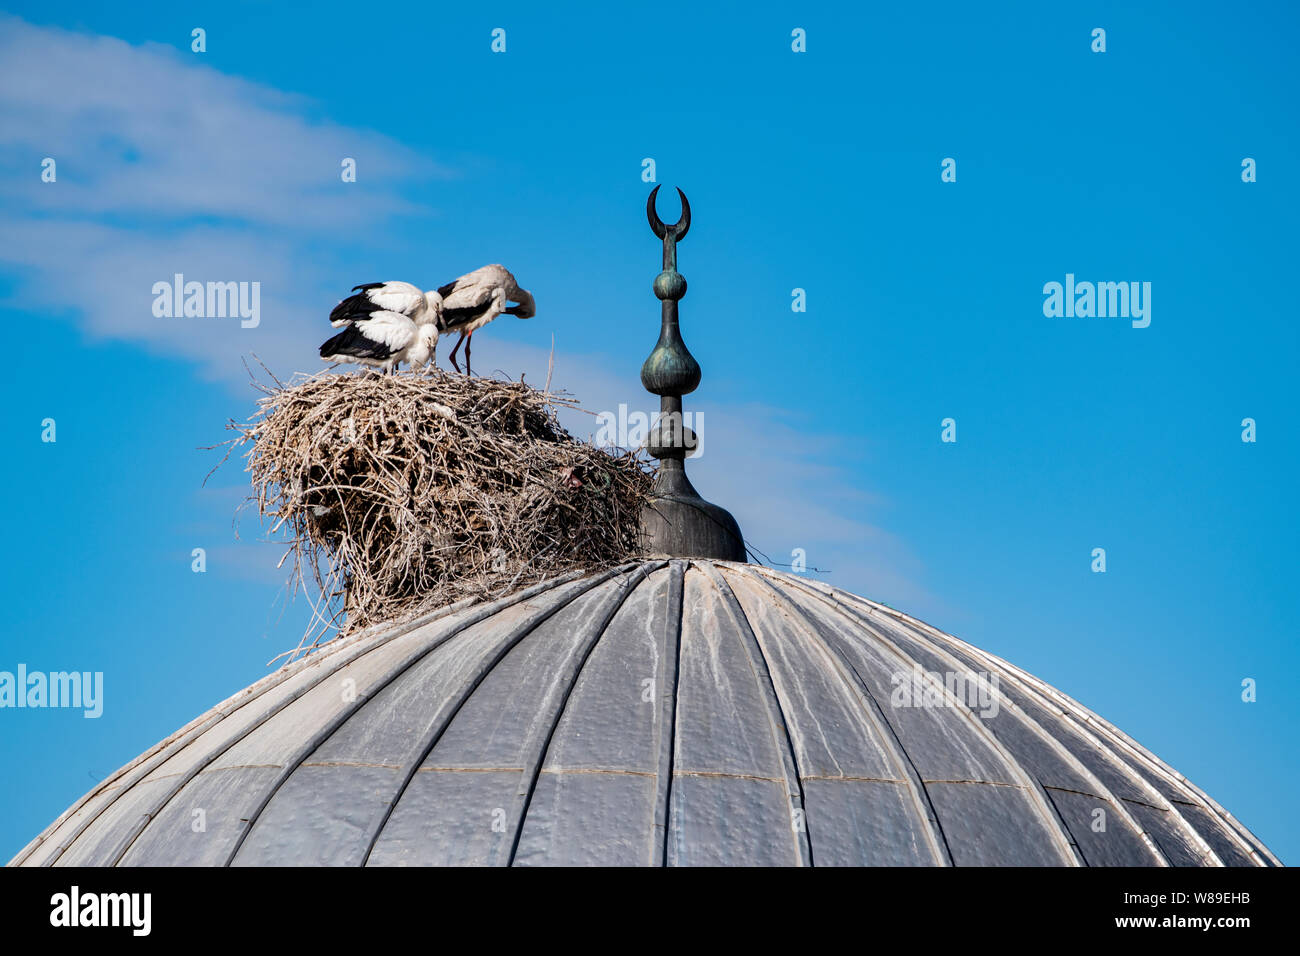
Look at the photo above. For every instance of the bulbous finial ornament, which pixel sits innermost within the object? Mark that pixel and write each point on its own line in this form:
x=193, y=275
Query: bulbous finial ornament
x=670, y=285
x=670, y=369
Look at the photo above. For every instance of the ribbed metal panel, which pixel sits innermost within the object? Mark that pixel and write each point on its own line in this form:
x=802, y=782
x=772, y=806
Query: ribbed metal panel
x=668, y=713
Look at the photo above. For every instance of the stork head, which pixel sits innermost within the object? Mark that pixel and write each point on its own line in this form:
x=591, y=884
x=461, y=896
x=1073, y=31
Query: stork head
x=526, y=308
x=434, y=301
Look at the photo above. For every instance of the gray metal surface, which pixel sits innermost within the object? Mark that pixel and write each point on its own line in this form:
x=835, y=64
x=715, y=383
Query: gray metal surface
x=669, y=713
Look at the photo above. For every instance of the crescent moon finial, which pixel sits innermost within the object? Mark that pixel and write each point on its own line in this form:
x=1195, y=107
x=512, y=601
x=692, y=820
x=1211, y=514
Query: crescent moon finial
x=678, y=229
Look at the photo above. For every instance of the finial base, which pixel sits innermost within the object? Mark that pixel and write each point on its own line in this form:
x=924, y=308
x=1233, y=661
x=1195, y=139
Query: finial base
x=678, y=523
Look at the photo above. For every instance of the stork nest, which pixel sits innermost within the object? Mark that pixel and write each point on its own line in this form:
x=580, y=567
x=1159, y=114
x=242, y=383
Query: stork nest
x=401, y=493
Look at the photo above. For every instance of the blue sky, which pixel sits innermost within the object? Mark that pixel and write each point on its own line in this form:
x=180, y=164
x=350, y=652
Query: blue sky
x=819, y=171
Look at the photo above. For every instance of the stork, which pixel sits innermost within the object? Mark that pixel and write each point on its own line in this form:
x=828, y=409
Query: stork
x=384, y=324
x=475, y=299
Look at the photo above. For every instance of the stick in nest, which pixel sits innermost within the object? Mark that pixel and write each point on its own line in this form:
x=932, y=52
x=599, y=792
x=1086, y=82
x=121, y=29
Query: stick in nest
x=400, y=493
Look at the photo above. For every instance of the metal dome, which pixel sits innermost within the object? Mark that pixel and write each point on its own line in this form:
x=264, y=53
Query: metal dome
x=675, y=712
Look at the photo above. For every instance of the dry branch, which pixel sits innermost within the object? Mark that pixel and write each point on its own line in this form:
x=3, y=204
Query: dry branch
x=400, y=493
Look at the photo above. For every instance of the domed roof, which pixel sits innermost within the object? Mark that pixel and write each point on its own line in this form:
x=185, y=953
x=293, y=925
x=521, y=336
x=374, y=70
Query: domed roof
x=674, y=712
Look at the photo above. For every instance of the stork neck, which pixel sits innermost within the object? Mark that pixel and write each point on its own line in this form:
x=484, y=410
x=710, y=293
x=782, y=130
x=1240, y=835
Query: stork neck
x=526, y=308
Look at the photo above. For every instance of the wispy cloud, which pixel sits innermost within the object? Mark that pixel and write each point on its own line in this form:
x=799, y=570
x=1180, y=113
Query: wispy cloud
x=149, y=131
x=167, y=166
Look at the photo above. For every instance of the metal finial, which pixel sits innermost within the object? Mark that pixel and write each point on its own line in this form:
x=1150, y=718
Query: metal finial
x=679, y=228
x=678, y=522
x=670, y=369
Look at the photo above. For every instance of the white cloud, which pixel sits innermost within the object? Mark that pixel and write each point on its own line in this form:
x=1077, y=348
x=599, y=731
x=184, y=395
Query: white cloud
x=168, y=166
x=151, y=131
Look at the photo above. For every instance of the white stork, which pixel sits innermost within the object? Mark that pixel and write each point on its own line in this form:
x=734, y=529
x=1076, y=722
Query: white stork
x=475, y=299
x=384, y=324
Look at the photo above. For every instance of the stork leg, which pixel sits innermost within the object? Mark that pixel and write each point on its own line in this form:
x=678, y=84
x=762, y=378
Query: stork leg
x=456, y=349
x=467, y=338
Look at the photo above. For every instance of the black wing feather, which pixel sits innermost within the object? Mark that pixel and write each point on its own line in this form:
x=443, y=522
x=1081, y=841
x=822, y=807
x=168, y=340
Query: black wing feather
x=356, y=308
x=451, y=318
x=352, y=342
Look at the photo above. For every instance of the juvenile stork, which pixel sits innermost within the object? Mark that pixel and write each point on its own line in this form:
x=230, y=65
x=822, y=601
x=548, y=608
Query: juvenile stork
x=384, y=324
x=475, y=299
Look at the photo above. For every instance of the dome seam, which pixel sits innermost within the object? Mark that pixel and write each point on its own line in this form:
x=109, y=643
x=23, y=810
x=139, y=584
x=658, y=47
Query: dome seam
x=778, y=723
x=541, y=744
x=1038, y=798
x=314, y=742
x=886, y=734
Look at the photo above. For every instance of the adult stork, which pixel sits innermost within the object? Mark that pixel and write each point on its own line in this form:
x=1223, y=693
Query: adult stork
x=475, y=299
x=384, y=324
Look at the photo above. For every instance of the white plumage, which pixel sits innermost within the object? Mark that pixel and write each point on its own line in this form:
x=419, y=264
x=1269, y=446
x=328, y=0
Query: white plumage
x=385, y=324
x=475, y=299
